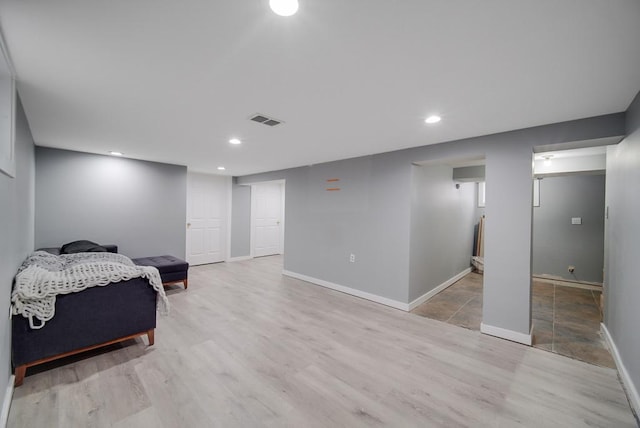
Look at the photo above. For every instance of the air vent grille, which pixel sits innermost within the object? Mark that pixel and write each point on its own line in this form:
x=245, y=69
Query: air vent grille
x=260, y=118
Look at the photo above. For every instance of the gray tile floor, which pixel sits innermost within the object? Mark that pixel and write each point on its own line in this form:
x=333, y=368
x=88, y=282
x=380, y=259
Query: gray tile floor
x=566, y=319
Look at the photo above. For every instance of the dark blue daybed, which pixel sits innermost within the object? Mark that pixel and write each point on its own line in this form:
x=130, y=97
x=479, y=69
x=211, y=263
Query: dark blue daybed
x=85, y=320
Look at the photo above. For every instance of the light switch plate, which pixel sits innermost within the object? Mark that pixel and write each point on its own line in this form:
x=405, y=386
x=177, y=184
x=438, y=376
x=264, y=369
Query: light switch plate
x=576, y=220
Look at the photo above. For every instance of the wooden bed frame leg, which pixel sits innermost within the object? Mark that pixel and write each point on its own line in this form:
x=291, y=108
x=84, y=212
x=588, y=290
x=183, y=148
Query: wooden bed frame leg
x=19, y=374
x=186, y=283
x=151, y=336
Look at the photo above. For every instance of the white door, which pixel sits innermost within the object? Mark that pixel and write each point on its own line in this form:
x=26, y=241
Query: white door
x=267, y=202
x=207, y=199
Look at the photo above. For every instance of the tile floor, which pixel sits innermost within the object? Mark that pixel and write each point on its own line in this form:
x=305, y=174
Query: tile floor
x=566, y=320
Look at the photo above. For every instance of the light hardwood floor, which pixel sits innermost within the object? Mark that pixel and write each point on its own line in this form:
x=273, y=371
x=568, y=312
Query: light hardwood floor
x=245, y=346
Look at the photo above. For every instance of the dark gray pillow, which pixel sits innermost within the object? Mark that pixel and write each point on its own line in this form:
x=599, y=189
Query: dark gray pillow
x=82, y=246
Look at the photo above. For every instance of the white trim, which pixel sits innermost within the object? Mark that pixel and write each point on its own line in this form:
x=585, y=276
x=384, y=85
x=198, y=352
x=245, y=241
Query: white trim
x=503, y=333
x=229, y=217
x=6, y=404
x=429, y=294
x=481, y=194
x=348, y=290
x=251, y=183
x=252, y=222
x=8, y=149
x=187, y=211
x=283, y=190
x=630, y=388
x=238, y=259
x=552, y=279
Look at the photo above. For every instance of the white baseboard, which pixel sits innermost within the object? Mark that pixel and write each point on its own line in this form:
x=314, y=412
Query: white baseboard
x=6, y=404
x=632, y=392
x=348, y=290
x=503, y=333
x=429, y=294
x=238, y=259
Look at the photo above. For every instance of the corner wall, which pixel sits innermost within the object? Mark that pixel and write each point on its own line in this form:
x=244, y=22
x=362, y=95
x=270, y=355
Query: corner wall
x=138, y=205
x=556, y=242
x=367, y=217
x=442, y=223
x=16, y=232
x=622, y=289
x=507, y=245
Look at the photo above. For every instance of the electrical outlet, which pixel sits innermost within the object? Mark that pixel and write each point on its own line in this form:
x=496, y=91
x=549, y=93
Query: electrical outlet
x=352, y=258
x=571, y=269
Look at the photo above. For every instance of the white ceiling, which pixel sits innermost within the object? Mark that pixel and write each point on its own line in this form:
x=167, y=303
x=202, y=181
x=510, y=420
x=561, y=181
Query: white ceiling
x=172, y=81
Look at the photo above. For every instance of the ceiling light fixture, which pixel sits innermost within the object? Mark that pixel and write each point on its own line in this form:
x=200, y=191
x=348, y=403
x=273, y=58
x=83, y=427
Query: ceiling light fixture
x=235, y=141
x=116, y=153
x=433, y=119
x=221, y=168
x=284, y=7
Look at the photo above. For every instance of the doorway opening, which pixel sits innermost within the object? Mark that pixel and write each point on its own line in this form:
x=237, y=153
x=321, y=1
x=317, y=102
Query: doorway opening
x=568, y=254
x=445, y=212
x=566, y=310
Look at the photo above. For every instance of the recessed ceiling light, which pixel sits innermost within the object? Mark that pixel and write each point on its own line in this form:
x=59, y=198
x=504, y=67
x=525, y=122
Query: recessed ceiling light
x=235, y=141
x=433, y=119
x=284, y=7
x=221, y=168
x=116, y=153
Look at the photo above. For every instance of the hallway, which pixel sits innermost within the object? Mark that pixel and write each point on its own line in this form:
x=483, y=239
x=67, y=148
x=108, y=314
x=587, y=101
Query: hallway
x=566, y=320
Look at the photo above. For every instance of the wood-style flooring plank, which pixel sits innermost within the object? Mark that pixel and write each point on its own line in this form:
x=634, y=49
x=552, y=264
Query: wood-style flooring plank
x=245, y=346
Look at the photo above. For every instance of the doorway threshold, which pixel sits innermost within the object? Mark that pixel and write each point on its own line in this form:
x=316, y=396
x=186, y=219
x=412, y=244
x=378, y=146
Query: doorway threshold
x=566, y=319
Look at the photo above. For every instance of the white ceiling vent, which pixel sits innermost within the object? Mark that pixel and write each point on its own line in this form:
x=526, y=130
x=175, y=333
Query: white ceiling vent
x=260, y=118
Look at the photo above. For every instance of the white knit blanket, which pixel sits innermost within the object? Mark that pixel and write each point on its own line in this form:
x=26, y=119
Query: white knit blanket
x=43, y=276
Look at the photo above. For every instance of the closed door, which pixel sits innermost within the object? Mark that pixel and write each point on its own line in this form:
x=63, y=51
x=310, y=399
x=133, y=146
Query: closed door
x=207, y=198
x=267, y=217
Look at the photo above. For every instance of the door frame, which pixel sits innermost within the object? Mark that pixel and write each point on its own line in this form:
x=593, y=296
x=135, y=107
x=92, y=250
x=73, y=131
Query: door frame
x=226, y=244
x=282, y=183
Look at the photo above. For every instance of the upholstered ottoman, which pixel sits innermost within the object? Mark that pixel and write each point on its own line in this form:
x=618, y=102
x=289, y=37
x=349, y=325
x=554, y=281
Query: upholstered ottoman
x=172, y=269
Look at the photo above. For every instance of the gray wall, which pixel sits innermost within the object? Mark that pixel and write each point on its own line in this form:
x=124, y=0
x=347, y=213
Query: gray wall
x=442, y=220
x=556, y=242
x=16, y=231
x=622, y=290
x=138, y=205
x=321, y=230
x=507, y=245
x=368, y=217
x=469, y=173
x=240, y=221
